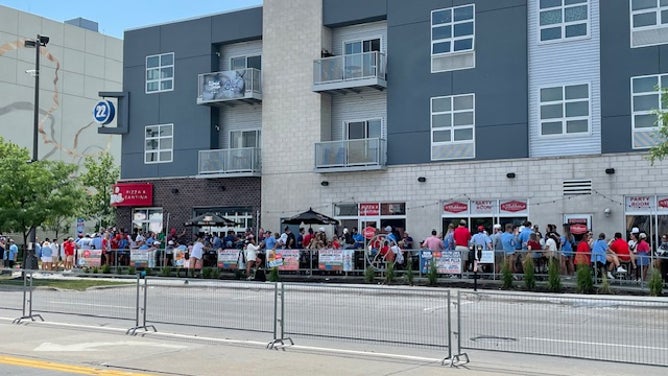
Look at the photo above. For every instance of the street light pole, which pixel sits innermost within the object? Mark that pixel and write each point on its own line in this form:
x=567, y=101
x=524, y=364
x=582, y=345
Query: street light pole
x=40, y=41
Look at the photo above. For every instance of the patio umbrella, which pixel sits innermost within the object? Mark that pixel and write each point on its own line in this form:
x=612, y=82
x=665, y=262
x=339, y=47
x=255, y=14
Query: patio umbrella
x=311, y=217
x=209, y=219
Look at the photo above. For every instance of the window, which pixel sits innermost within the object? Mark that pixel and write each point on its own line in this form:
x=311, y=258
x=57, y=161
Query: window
x=159, y=143
x=359, y=62
x=453, y=38
x=147, y=219
x=645, y=102
x=649, y=22
x=648, y=13
x=452, y=119
x=243, y=62
x=452, y=29
x=245, y=139
x=160, y=73
x=563, y=19
x=564, y=110
x=358, y=130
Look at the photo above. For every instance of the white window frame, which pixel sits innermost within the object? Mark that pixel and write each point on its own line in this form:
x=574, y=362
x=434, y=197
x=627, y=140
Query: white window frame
x=634, y=131
x=563, y=24
x=159, y=150
x=564, y=119
x=657, y=10
x=452, y=126
x=159, y=68
x=258, y=134
x=145, y=224
x=452, y=39
x=346, y=125
x=245, y=57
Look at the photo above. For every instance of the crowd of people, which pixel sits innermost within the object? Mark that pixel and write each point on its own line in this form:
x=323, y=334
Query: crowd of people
x=615, y=257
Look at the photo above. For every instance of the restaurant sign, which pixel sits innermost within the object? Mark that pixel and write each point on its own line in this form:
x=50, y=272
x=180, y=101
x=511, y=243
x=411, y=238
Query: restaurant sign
x=132, y=194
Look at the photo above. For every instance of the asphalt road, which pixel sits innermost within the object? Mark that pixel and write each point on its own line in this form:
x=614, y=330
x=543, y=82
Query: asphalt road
x=399, y=320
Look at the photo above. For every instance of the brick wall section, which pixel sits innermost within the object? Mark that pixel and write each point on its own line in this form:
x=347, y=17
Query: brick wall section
x=197, y=193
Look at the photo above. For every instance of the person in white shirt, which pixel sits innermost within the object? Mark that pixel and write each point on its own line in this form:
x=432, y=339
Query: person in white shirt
x=250, y=253
x=196, y=256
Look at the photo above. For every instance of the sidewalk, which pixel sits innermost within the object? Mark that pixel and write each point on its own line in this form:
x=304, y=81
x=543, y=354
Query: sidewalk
x=165, y=354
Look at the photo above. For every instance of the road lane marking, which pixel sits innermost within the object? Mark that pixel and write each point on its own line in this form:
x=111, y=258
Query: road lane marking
x=53, y=366
x=597, y=343
x=94, y=346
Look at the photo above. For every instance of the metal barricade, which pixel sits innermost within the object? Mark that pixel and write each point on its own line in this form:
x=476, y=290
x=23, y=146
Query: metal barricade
x=374, y=315
x=619, y=329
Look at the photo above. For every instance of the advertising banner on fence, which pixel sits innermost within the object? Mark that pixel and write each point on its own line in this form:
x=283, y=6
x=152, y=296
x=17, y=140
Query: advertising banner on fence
x=335, y=259
x=89, y=257
x=228, y=258
x=139, y=258
x=446, y=262
x=180, y=257
x=289, y=259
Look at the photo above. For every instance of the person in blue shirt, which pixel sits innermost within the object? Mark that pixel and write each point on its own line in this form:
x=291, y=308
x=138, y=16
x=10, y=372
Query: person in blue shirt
x=524, y=236
x=509, y=245
x=599, y=254
x=567, y=251
x=449, y=239
x=269, y=241
x=10, y=256
x=358, y=238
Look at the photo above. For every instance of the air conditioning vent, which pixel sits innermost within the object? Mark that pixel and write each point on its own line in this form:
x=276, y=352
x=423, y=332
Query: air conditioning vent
x=577, y=187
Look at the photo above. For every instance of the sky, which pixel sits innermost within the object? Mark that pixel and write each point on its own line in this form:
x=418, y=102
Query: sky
x=115, y=16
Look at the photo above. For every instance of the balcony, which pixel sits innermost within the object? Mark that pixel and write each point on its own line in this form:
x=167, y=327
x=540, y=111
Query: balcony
x=352, y=72
x=229, y=87
x=229, y=163
x=350, y=155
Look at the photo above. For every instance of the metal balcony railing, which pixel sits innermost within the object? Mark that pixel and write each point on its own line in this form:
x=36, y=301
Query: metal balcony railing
x=241, y=84
x=367, y=153
x=240, y=161
x=353, y=70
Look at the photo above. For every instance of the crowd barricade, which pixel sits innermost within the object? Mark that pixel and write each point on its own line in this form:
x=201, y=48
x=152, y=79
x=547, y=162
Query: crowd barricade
x=619, y=329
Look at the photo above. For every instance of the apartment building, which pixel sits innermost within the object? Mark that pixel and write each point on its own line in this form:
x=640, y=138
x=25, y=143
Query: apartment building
x=410, y=114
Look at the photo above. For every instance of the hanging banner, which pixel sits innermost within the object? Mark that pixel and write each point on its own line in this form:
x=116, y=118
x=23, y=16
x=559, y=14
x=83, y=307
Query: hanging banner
x=662, y=203
x=89, y=257
x=640, y=203
x=180, y=257
x=228, y=258
x=139, y=258
x=369, y=209
x=515, y=207
x=330, y=259
x=447, y=262
x=455, y=207
x=484, y=207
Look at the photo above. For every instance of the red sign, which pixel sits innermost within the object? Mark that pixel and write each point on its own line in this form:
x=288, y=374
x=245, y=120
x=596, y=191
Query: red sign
x=663, y=203
x=132, y=194
x=455, y=207
x=372, y=208
x=369, y=232
x=514, y=206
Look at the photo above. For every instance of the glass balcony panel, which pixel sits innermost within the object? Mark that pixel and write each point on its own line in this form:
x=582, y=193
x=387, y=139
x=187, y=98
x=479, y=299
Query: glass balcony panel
x=366, y=152
x=351, y=70
x=229, y=161
x=230, y=85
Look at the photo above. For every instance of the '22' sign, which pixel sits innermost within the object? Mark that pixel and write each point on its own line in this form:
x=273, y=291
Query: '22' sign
x=104, y=112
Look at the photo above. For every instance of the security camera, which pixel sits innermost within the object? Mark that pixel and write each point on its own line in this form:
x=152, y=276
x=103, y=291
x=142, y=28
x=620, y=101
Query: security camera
x=607, y=211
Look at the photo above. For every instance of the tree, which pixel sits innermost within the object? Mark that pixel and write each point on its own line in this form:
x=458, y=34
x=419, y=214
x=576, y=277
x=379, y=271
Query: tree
x=101, y=173
x=660, y=150
x=33, y=193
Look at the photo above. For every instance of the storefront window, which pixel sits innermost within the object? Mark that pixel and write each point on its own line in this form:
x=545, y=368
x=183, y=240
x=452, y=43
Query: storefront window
x=147, y=219
x=485, y=213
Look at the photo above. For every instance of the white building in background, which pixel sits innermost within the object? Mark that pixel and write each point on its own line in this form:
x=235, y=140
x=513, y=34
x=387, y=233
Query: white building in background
x=76, y=64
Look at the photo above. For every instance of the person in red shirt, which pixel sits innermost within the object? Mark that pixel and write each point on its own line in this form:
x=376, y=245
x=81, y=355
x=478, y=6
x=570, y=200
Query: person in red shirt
x=583, y=253
x=68, y=248
x=462, y=237
x=621, y=248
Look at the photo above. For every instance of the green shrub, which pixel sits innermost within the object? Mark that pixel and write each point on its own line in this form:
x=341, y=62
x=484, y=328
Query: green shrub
x=95, y=270
x=605, y=285
x=655, y=283
x=410, y=275
x=273, y=276
x=119, y=270
x=369, y=274
x=389, y=273
x=215, y=273
x=553, y=276
x=432, y=275
x=238, y=274
x=529, y=273
x=583, y=280
x=166, y=271
x=206, y=272
x=506, y=276
x=106, y=269
x=132, y=270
